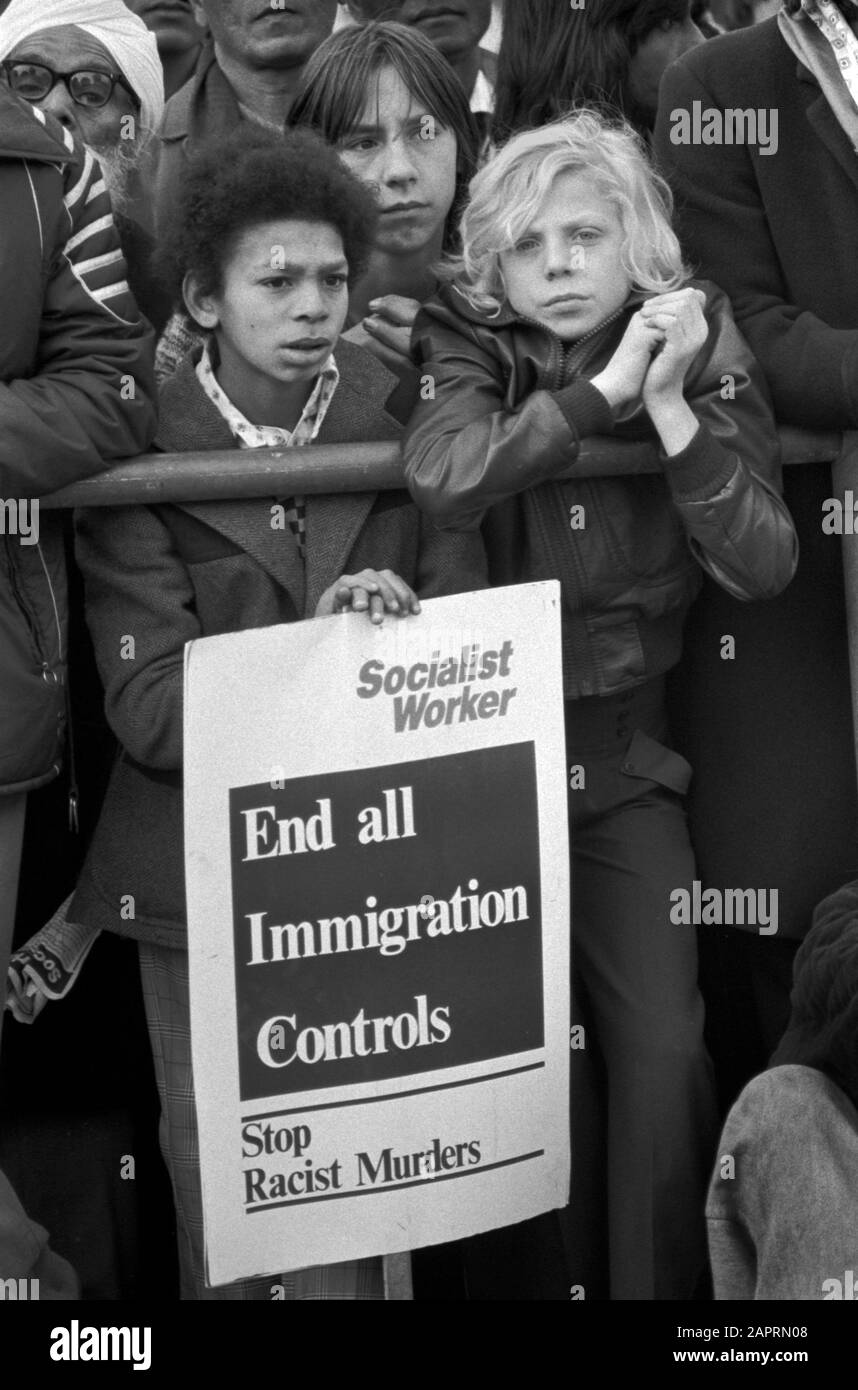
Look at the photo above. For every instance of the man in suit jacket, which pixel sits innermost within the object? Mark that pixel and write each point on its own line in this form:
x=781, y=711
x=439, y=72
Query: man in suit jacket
x=768, y=209
x=248, y=71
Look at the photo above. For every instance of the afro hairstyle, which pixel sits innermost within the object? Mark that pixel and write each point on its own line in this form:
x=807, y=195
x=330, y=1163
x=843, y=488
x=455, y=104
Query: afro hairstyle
x=250, y=178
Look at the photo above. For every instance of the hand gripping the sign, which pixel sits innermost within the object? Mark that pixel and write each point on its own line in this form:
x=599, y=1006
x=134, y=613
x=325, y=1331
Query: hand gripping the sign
x=375, y=592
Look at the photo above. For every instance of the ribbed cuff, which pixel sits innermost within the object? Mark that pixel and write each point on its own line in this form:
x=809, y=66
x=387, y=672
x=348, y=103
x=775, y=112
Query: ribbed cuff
x=585, y=408
x=700, y=470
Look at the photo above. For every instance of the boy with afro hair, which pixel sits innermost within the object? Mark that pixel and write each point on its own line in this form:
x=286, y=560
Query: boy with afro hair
x=263, y=243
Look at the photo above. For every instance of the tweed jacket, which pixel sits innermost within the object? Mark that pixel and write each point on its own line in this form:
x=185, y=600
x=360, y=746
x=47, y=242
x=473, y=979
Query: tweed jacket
x=158, y=577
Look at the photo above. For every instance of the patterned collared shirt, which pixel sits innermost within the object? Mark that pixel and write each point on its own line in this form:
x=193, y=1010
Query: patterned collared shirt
x=249, y=436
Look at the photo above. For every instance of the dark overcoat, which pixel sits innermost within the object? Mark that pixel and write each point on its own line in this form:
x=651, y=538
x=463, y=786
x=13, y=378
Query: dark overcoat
x=770, y=731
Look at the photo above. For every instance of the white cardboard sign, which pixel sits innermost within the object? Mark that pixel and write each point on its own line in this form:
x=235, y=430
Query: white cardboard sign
x=378, y=908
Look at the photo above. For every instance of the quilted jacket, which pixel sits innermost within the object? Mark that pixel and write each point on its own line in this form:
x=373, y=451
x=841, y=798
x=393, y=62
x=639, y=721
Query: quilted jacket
x=75, y=392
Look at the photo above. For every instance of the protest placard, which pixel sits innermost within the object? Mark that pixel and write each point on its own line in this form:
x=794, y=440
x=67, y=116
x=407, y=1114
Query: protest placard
x=378, y=909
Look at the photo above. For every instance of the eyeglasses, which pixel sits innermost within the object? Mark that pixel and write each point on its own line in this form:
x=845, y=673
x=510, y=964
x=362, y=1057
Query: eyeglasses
x=87, y=87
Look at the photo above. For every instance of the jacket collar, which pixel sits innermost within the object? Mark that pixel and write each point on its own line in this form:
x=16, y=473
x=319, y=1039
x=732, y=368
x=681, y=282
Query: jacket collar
x=205, y=108
x=27, y=133
x=189, y=420
x=825, y=124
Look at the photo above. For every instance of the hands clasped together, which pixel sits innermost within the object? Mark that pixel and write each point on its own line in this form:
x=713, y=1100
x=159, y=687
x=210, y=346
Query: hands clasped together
x=660, y=343
x=658, y=346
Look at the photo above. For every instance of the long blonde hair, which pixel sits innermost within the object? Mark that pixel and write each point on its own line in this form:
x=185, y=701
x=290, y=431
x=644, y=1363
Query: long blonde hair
x=505, y=198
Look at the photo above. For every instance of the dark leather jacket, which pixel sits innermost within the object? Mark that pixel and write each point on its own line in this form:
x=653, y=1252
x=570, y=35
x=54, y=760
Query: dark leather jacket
x=498, y=443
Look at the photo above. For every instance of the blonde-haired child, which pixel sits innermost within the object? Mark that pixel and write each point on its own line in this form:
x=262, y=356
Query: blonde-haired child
x=570, y=314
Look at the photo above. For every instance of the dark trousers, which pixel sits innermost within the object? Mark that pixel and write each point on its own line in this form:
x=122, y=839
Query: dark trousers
x=769, y=734
x=773, y=804
x=643, y=1115
x=746, y=980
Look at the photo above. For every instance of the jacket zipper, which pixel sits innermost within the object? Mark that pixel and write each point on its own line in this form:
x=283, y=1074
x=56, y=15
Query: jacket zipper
x=566, y=363
x=32, y=626
x=555, y=367
x=47, y=673
x=563, y=354
x=73, y=793
x=571, y=366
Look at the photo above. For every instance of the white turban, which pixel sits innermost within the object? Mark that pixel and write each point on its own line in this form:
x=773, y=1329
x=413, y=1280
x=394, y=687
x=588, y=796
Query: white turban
x=126, y=38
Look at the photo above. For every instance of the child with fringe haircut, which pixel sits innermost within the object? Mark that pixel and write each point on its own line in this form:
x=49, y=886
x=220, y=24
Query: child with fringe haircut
x=568, y=315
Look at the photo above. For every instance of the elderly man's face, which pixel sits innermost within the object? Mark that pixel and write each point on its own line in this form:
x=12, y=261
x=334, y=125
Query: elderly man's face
x=270, y=33
x=69, y=49
x=171, y=21
x=454, y=26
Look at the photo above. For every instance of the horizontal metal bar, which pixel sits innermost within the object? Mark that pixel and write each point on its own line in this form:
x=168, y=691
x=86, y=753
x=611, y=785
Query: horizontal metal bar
x=236, y=473
x=806, y=446
x=233, y=473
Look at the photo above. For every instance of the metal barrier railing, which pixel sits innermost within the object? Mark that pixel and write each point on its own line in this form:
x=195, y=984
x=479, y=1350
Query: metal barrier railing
x=199, y=477
x=236, y=473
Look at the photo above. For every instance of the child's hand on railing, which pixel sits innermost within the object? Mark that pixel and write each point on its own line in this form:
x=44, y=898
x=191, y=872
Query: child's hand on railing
x=375, y=592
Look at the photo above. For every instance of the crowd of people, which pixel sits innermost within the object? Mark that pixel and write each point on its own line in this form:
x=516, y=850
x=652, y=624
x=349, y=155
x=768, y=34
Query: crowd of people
x=228, y=227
